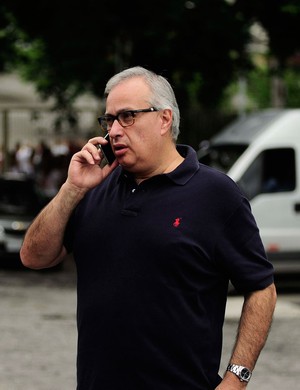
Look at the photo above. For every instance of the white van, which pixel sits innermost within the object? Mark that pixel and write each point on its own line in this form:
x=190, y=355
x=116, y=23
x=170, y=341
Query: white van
x=261, y=153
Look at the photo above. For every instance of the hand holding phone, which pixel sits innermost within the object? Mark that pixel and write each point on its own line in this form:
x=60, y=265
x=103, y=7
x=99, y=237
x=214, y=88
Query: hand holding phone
x=107, y=151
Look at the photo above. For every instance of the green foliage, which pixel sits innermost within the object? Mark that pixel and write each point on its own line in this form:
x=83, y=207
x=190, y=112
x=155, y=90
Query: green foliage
x=259, y=88
x=281, y=19
x=70, y=47
x=292, y=83
x=9, y=35
x=85, y=43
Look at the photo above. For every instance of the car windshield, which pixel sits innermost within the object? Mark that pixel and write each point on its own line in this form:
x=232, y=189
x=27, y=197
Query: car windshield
x=18, y=198
x=221, y=157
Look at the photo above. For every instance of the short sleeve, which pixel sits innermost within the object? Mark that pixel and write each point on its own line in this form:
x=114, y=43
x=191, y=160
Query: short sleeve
x=241, y=253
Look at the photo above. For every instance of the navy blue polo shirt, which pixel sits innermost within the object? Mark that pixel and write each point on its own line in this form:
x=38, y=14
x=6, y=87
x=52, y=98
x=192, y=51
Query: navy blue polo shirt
x=153, y=265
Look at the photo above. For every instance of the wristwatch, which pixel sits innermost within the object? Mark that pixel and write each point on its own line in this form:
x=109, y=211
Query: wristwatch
x=243, y=373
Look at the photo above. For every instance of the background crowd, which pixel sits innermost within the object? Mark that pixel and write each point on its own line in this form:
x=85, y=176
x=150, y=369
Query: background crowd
x=46, y=164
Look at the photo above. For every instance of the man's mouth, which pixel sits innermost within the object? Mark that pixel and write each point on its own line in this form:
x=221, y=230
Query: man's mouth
x=120, y=149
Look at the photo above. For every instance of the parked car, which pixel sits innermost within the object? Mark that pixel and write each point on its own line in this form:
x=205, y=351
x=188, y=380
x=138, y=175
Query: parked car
x=261, y=153
x=19, y=204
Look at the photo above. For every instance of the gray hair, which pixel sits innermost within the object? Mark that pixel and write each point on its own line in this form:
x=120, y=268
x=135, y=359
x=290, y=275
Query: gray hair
x=163, y=96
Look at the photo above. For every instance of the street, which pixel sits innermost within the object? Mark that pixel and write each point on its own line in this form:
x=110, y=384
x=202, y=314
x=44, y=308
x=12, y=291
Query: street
x=38, y=334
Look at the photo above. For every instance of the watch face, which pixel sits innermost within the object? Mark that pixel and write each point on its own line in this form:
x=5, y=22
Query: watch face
x=245, y=374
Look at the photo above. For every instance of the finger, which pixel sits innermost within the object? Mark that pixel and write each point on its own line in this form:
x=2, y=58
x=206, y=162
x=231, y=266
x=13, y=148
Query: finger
x=97, y=140
x=93, y=149
x=86, y=156
x=107, y=169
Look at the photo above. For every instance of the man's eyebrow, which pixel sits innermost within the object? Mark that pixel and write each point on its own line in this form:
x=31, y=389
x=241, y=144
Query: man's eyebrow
x=119, y=111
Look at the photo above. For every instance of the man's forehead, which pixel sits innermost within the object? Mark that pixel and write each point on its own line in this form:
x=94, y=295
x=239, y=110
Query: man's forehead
x=129, y=92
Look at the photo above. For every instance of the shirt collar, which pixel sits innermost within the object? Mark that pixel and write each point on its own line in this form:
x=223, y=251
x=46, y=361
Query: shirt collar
x=186, y=170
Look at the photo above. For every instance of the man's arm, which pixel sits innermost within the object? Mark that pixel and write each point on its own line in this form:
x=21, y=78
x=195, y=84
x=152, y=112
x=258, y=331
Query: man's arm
x=43, y=242
x=254, y=326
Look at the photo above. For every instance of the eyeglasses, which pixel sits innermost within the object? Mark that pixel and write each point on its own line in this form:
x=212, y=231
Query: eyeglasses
x=125, y=118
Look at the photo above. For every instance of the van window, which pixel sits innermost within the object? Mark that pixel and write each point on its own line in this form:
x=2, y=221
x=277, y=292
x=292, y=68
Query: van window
x=272, y=171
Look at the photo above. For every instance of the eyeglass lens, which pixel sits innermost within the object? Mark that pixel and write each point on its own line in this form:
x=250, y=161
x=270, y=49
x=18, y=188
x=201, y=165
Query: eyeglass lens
x=124, y=118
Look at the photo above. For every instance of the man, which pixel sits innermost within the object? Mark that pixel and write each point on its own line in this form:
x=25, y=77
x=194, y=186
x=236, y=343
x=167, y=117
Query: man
x=156, y=237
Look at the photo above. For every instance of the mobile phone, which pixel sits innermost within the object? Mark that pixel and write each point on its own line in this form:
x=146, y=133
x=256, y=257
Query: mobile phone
x=107, y=151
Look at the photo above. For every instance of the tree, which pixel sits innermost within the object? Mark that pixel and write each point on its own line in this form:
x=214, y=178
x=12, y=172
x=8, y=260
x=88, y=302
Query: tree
x=281, y=20
x=72, y=46
x=69, y=47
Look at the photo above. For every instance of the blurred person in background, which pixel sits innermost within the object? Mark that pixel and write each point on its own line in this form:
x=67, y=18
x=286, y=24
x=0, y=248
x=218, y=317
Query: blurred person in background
x=156, y=237
x=23, y=158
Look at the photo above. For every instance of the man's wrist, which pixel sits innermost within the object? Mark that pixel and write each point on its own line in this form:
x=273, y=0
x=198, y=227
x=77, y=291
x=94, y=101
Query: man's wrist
x=72, y=192
x=231, y=381
x=241, y=372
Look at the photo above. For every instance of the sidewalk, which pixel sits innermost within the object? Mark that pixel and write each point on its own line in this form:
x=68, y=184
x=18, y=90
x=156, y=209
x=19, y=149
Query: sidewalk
x=38, y=335
x=288, y=306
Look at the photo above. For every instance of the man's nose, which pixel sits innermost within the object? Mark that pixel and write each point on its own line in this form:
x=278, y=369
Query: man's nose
x=116, y=129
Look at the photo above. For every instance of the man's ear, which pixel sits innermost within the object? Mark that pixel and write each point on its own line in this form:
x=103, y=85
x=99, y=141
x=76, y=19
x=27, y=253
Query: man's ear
x=166, y=117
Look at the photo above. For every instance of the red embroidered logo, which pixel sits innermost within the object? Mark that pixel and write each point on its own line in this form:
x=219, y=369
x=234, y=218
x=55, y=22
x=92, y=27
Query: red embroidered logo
x=177, y=221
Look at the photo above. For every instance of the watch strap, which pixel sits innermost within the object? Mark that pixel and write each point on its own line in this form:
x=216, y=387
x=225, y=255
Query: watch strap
x=243, y=373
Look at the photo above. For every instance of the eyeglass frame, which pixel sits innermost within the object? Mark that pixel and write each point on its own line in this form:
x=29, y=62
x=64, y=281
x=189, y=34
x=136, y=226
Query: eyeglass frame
x=116, y=117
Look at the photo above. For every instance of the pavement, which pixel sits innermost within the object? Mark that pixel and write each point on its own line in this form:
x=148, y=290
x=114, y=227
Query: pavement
x=278, y=366
x=38, y=334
